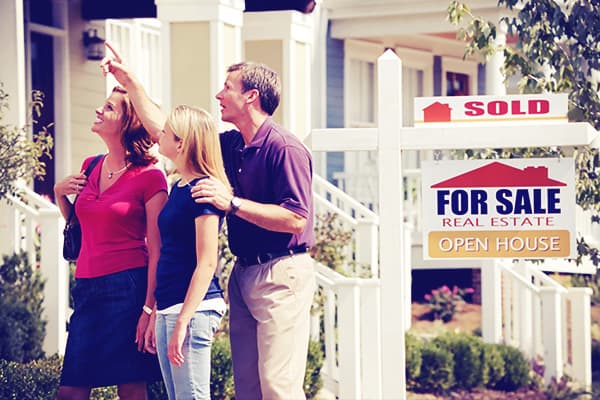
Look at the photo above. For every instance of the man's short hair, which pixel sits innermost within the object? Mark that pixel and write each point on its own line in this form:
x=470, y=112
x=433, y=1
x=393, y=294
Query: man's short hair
x=262, y=78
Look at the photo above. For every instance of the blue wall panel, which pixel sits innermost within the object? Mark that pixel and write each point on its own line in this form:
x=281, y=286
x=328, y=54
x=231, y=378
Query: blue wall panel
x=335, y=98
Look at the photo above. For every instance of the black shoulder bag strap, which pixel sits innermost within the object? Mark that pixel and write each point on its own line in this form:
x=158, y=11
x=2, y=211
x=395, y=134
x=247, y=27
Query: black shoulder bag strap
x=87, y=172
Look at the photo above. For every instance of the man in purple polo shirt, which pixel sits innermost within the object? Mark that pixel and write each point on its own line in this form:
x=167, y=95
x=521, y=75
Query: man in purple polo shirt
x=270, y=227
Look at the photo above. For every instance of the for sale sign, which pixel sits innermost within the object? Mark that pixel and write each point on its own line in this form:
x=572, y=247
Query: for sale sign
x=518, y=208
x=490, y=109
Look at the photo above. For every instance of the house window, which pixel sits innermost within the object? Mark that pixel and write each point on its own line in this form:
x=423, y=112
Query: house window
x=457, y=84
x=362, y=98
x=360, y=83
x=359, y=176
x=459, y=77
x=417, y=80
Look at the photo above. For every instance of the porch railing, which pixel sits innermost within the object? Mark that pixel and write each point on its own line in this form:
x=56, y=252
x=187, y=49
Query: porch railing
x=348, y=310
x=547, y=321
x=33, y=221
x=355, y=217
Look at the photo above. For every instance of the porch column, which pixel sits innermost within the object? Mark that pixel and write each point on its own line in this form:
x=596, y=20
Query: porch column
x=12, y=74
x=491, y=301
x=12, y=77
x=199, y=39
x=283, y=41
x=552, y=334
x=494, y=79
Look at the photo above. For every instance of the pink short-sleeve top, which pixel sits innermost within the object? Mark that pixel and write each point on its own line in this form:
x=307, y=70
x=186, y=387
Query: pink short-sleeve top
x=113, y=223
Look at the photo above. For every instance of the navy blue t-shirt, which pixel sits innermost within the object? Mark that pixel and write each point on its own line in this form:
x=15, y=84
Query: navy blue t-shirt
x=177, y=261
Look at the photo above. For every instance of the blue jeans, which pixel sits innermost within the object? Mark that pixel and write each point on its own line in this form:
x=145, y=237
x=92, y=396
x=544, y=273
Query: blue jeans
x=190, y=381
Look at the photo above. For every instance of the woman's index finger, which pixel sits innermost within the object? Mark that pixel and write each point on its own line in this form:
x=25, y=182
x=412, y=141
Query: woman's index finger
x=113, y=50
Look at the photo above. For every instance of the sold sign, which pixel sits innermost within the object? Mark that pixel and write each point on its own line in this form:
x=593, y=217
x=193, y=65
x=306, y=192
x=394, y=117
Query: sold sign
x=468, y=109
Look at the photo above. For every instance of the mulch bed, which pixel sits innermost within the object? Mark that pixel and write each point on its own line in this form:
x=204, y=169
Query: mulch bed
x=482, y=394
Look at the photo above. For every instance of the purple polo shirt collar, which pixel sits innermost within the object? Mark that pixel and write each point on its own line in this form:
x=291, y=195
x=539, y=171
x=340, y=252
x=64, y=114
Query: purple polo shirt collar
x=261, y=134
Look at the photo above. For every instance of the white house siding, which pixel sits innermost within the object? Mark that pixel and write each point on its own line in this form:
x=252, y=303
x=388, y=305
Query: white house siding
x=301, y=89
x=87, y=92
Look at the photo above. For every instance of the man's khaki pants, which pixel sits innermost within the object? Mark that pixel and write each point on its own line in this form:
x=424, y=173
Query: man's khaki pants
x=269, y=327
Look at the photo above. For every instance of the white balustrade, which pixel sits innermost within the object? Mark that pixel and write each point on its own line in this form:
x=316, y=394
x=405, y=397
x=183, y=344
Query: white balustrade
x=547, y=320
x=32, y=215
x=351, y=320
x=354, y=217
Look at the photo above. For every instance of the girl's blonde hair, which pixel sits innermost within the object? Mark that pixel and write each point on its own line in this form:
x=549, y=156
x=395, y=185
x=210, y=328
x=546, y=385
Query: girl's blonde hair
x=201, y=145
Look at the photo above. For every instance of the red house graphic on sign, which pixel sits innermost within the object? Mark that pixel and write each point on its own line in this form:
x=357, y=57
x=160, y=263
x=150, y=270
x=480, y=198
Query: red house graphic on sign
x=437, y=112
x=497, y=174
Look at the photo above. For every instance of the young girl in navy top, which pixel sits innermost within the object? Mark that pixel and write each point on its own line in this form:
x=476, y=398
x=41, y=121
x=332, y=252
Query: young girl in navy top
x=189, y=301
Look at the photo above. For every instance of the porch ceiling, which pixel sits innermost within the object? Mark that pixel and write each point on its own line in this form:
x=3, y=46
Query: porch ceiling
x=391, y=21
x=94, y=9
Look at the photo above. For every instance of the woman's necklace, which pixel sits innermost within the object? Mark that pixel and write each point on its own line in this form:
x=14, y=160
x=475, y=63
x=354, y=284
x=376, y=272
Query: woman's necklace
x=187, y=182
x=110, y=173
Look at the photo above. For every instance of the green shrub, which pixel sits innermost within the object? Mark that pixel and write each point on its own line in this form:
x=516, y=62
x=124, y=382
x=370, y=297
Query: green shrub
x=20, y=340
x=492, y=369
x=36, y=380
x=516, y=368
x=105, y=393
x=466, y=352
x=22, y=329
x=39, y=380
x=221, y=378
x=413, y=360
x=313, y=382
x=437, y=369
x=463, y=361
x=157, y=391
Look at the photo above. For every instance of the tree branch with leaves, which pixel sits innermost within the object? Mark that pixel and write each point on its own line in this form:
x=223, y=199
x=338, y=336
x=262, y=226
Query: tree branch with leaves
x=556, y=49
x=20, y=155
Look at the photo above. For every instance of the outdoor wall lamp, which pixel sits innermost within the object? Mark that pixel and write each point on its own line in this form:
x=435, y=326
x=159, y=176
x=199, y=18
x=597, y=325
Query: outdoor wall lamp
x=94, y=45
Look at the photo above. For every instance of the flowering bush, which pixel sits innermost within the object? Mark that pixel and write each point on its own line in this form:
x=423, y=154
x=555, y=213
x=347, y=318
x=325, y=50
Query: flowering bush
x=444, y=302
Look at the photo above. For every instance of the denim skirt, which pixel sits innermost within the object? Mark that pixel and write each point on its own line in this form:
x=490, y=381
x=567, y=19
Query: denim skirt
x=101, y=348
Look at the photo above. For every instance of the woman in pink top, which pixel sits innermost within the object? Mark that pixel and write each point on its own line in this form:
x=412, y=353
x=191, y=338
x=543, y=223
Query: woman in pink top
x=117, y=207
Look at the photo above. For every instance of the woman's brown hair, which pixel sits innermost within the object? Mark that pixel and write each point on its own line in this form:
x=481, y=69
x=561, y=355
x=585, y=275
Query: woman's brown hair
x=135, y=138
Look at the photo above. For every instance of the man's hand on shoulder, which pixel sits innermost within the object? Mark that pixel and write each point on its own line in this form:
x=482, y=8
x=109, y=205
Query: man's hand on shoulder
x=212, y=191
